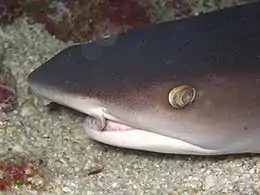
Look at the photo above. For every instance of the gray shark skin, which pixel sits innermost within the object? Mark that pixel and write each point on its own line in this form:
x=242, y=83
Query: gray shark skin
x=122, y=84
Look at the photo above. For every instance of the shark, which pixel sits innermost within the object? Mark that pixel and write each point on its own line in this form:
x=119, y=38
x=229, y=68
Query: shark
x=189, y=86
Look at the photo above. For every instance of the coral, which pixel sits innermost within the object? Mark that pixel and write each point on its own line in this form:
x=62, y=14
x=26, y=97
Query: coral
x=9, y=10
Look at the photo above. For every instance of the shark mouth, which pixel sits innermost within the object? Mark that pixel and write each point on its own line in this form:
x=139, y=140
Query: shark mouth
x=123, y=136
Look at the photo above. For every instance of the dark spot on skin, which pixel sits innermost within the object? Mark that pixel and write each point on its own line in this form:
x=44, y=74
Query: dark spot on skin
x=245, y=127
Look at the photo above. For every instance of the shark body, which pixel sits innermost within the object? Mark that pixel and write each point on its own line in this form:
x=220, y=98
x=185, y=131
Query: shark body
x=122, y=84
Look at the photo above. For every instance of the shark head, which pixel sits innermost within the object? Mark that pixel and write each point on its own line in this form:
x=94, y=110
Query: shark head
x=164, y=89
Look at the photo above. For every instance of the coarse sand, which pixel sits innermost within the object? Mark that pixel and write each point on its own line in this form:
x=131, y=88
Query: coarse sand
x=58, y=139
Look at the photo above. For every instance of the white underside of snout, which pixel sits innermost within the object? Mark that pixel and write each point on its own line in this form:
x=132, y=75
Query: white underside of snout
x=147, y=141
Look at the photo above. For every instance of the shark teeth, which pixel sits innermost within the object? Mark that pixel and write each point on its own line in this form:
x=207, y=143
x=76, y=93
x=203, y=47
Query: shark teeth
x=95, y=124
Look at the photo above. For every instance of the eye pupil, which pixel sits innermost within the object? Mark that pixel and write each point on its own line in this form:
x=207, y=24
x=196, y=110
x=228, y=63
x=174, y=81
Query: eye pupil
x=186, y=97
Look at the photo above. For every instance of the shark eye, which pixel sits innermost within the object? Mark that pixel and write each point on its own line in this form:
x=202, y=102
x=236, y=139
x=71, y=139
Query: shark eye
x=181, y=96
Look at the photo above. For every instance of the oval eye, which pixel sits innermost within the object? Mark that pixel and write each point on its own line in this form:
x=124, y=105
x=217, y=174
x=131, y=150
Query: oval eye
x=181, y=96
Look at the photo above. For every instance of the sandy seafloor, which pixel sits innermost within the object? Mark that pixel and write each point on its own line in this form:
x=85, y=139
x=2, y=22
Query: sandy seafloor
x=58, y=138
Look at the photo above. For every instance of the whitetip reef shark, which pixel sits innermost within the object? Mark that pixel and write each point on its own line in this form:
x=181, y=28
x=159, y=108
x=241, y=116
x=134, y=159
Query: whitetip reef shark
x=188, y=86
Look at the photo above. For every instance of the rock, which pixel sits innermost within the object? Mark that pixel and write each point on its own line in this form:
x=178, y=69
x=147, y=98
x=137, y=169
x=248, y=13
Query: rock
x=209, y=182
x=8, y=99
